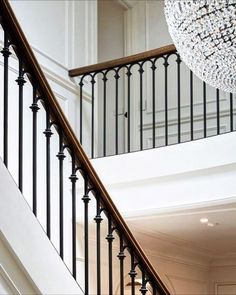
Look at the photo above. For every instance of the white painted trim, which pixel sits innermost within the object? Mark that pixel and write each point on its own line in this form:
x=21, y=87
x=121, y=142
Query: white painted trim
x=8, y=280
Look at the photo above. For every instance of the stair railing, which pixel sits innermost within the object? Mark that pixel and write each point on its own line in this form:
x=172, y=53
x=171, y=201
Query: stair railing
x=129, y=255
x=149, y=100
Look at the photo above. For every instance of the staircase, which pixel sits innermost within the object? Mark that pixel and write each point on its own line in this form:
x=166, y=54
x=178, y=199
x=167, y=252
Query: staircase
x=66, y=178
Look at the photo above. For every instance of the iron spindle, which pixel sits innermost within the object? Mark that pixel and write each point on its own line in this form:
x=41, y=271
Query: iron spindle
x=98, y=219
x=218, y=110
x=154, y=291
x=132, y=273
x=81, y=84
x=48, y=133
x=143, y=288
x=166, y=64
x=191, y=104
x=61, y=156
x=116, y=111
x=104, y=113
x=178, y=60
x=153, y=67
x=34, y=107
x=20, y=81
x=141, y=71
x=6, y=53
x=73, y=178
x=110, y=239
x=121, y=257
x=204, y=111
x=92, y=118
x=231, y=113
x=86, y=200
x=128, y=73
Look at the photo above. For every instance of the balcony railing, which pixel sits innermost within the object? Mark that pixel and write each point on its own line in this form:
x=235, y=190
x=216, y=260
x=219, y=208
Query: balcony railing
x=148, y=100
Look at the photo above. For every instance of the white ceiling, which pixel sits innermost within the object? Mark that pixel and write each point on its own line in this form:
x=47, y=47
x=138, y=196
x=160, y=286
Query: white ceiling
x=183, y=229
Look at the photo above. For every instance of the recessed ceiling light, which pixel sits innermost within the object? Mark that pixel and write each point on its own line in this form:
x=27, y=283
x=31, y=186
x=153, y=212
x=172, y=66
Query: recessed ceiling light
x=204, y=220
x=210, y=224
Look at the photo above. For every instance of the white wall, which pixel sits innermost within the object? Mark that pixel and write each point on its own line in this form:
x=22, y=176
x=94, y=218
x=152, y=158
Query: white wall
x=63, y=36
x=37, y=260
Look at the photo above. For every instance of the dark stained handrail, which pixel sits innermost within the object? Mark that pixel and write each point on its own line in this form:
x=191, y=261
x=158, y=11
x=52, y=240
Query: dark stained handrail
x=25, y=53
x=147, y=55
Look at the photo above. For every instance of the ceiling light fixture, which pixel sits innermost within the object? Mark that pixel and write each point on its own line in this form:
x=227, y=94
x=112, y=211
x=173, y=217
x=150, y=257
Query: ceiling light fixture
x=203, y=32
x=204, y=220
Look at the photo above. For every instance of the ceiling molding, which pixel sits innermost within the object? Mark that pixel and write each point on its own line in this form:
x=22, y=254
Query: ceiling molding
x=180, y=260
x=186, y=209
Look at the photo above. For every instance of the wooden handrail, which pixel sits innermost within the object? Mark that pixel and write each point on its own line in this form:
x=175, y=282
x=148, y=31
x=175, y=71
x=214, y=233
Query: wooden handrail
x=31, y=65
x=169, y=49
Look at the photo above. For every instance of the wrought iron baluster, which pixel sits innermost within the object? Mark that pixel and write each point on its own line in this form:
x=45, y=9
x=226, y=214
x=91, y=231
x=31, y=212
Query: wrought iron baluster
x=141, y=71
x=20, y=81
x=218, y=110
x=166, y=64
x=191, y=104
x=86, y=200
x=73, y=178
x=61, y=156
x=204, y=111
x=143, y=288
x=116, y=111
x=34, y=107
x=231, y=113
x=153, y=67
x=129, y=74
x=81, y=84
x=48, y=133
x=6, y=53
x=121, y=257
x=178, y=60
x=98, y=219
x=92, y=117
x=104, y=112
x=110, y=239
x=132, y=273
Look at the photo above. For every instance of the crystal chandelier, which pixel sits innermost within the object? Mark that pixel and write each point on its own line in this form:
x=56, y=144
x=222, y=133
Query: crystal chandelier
x=204, y=32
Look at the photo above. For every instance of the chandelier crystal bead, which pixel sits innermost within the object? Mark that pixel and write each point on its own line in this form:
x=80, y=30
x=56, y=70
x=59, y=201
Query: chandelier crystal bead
x=204, y=33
